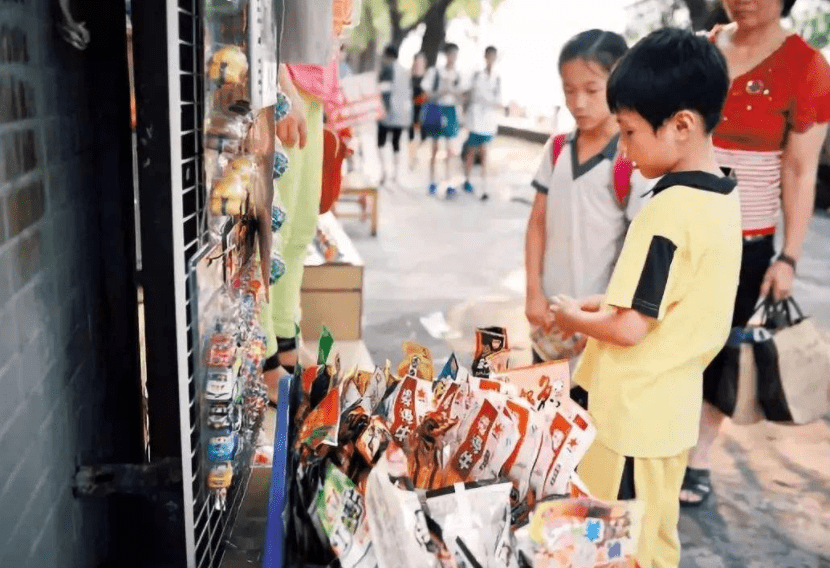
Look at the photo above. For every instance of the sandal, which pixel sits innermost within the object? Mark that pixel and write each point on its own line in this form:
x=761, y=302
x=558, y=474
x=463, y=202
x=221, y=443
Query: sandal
x=699, y=483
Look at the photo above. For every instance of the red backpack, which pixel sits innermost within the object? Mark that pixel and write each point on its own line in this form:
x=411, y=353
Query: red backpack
x=623, y=169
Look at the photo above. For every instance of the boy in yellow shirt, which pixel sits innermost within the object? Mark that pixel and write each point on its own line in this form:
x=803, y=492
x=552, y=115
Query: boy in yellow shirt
x=668, y=307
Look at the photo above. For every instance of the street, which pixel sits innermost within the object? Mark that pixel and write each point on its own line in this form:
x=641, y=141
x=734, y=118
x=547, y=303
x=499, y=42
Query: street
x=464, y=259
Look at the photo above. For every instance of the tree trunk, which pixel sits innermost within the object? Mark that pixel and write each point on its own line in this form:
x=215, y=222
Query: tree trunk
x=699, y=11
x=435, y=32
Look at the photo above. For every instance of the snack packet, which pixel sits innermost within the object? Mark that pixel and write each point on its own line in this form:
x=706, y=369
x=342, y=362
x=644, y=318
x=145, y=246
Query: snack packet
x=553, y=346
x=342, y=513
x=374, y=440
x=519, y=464
x=498, y=362
x=544, y=386
x=405, y=407
x=487, y=438
x=489, y=340
x=426, y=458
x=417, y=362
x=398, y=523
x=475, y=518
x=587, y=533
x=322, y=424
x=572, y=433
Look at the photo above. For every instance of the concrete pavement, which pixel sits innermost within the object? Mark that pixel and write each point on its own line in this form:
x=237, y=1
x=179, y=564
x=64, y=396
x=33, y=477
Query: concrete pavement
x=464, y=258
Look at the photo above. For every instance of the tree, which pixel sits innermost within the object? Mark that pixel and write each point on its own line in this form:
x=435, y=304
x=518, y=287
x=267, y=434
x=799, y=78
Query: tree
x=394, y=20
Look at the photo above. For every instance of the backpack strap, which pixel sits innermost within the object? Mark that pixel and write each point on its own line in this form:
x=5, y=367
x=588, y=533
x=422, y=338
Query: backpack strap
x=557, y=147
x=623, y=170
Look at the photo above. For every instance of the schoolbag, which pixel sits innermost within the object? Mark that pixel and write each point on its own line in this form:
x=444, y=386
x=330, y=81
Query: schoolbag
x=623, y=170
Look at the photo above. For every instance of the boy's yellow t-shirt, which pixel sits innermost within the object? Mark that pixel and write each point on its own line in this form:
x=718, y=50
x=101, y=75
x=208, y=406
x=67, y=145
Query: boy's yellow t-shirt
x=679, y=265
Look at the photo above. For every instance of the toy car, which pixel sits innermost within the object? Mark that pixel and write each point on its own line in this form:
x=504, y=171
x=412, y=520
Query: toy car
x=220, y=390
x=220, y=476
x=219, y=416
x=222, y=448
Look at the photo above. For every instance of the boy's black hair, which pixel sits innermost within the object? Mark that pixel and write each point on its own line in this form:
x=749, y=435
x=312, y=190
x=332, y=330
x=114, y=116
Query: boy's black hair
x=490, y=49
x=391, y=51
x=598, y=46
x=668, y=71
x=449, y=46
x=787, y=8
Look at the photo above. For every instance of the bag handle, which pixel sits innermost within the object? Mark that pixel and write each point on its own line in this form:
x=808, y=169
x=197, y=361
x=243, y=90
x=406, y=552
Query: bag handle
x=777, y=314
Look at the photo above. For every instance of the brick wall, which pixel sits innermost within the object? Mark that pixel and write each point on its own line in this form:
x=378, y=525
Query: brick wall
x=59, y=156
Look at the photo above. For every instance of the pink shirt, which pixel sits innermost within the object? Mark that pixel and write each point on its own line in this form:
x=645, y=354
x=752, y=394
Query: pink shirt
x=320, y=82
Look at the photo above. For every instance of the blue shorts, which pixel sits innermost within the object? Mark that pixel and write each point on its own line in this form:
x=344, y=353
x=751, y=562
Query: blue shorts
x=449, y=124
x=474, y=140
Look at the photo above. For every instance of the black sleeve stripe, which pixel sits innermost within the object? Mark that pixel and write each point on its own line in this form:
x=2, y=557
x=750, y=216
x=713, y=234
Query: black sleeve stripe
x=649, y=294
x=539, y=187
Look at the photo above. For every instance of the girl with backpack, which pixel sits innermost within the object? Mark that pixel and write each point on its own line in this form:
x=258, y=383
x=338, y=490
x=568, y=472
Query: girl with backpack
x=586, y=195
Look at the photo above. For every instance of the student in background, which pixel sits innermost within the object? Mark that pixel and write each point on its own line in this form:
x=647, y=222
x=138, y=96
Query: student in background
x=440, y=115
x=482, y=119
x=396, y=91
x=419, y=97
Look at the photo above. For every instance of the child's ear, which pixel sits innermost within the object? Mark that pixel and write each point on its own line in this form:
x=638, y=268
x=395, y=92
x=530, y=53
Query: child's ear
x=685, y=121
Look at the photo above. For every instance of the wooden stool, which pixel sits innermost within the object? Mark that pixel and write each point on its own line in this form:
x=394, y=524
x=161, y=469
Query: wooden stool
x=361, y=196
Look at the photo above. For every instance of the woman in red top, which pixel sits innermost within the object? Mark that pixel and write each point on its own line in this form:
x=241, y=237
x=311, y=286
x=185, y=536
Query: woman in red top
x=773, y=126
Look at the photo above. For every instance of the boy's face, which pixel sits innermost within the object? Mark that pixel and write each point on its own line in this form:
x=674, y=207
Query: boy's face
x=653, y=153
x=584, y=84
x=490, y=58
x=452, y=55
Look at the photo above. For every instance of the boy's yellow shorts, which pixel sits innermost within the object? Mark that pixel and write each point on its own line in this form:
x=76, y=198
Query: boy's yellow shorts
x=657, y=484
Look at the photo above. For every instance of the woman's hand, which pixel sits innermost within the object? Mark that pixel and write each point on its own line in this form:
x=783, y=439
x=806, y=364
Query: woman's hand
x=292, y=129
x=537, y=310
x=778, y=280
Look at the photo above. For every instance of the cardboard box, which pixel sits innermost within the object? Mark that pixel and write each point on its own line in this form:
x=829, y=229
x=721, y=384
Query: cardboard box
x=332, y=293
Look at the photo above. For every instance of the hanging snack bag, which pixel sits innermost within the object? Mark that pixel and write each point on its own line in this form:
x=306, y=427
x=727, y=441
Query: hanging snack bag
x=322, y=424
x=489, y=340
x=487, y=439
x=519, y=465
x=571, y=434
x=544, y=386
x=475, y=522
x=342, y=514
x=405, y=407
x=417, y=362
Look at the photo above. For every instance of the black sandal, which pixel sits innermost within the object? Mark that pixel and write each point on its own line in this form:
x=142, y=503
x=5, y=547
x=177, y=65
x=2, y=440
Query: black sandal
x=699, y=483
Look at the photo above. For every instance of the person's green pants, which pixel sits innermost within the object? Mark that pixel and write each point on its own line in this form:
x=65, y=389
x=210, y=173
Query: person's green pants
x=299, y=189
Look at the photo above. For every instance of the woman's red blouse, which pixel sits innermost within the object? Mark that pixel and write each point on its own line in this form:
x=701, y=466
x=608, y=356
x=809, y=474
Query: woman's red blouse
x=788, y=91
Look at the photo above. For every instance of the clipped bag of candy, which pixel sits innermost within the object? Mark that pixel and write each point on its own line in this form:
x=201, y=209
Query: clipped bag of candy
x=475, y=522
x=519, y=464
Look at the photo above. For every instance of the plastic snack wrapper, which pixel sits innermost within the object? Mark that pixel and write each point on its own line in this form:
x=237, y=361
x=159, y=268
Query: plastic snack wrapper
x=405, y=407
x=520, y=463
x=544, y=386
x=571, y=434
x=552, y=346
x=417, y=362
x=342, y=513
x=489, y=340
x=585, y=533
x=475, y=522
x=322, y=424
x=401, y=536
x=487, y=439
x=426, y=456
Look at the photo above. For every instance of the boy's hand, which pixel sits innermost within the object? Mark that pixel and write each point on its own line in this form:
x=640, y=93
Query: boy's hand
x=292, y=129
x=565, y=311
x=537, y=310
